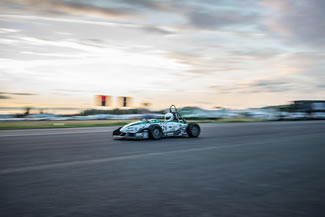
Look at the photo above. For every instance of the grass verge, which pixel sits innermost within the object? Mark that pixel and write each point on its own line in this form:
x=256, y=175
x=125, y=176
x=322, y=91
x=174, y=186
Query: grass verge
x=13, y=125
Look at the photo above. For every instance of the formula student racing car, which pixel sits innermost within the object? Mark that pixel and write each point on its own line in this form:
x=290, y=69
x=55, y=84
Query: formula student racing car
x=173, y=126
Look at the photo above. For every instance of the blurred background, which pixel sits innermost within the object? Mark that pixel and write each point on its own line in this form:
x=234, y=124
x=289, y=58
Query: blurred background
x=216, y=59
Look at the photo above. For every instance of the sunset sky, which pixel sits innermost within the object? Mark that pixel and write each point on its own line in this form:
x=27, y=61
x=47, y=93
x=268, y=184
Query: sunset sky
x=207, y=53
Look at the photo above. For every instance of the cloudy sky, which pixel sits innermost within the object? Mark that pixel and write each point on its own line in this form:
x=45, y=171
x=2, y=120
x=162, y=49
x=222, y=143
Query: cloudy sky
x=207, y=53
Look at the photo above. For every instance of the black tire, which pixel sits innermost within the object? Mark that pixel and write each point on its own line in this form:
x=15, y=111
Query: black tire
x=193, y=130
x=155, y=132
x=117, y=132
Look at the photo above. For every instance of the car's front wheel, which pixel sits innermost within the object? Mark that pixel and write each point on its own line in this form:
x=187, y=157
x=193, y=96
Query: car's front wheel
x=193, y=130
x=155, y=132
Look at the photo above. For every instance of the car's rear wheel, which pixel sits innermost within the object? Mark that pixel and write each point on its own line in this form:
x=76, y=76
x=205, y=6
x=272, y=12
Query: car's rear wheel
x=155, y=132
x=193, y=130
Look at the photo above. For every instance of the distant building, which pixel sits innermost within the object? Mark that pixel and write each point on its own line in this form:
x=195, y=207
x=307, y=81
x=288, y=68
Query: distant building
x=309, y=106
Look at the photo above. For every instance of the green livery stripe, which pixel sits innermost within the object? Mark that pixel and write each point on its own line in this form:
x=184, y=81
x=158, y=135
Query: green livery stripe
x=152, y=122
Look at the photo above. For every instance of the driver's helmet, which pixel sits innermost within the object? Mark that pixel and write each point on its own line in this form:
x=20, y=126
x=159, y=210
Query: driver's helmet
x=169, y=117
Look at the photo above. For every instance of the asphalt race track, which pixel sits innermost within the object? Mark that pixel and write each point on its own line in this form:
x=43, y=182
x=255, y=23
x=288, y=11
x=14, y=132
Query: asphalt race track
x=271, y=169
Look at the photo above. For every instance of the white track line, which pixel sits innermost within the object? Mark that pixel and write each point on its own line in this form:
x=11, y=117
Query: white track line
x=56, y=133
x=103, y=160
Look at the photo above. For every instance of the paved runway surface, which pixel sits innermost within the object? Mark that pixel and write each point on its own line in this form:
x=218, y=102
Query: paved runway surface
x=247, y=169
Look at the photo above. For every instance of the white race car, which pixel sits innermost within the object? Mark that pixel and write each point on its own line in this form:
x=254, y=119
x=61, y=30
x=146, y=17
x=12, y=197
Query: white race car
x=173, y=126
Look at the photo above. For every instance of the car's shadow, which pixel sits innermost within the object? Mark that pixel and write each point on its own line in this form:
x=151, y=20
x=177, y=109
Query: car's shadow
x=162, y=139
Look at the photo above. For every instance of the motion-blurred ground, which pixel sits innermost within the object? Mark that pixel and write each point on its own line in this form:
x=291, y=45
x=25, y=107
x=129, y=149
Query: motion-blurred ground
x=249, y=169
